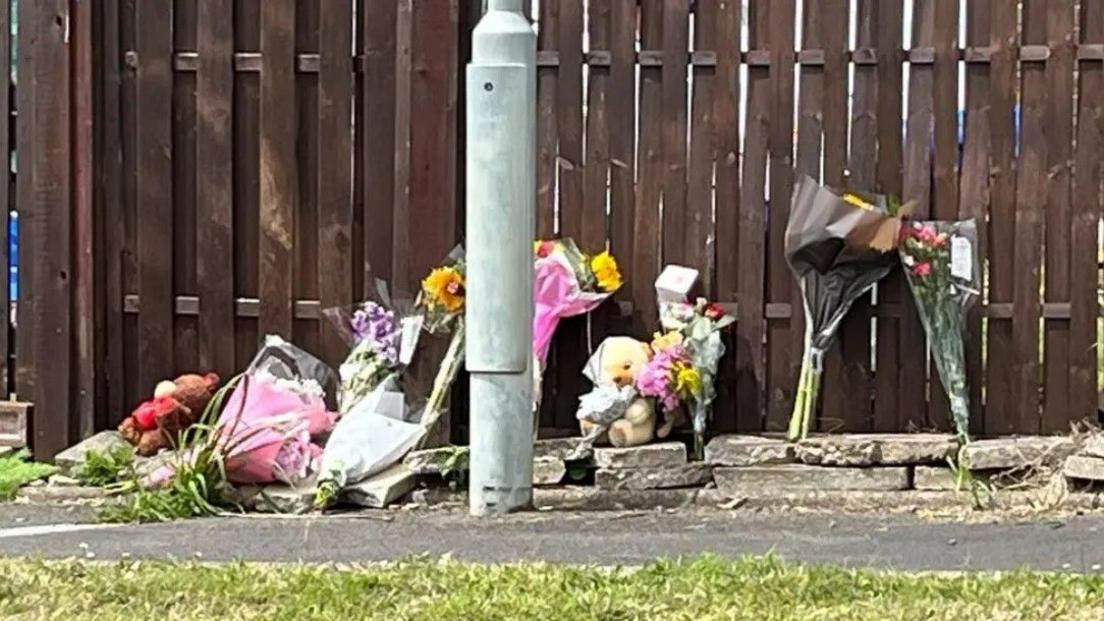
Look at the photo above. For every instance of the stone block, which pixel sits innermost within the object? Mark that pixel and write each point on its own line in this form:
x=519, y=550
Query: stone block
x=72, y=459
x=286, y=499
x=67, y=493
x=380, y=490
x=559, y=448
x=1010, y=453
x=877, y=449
x=1094, y=446
x=596, y=499
x=439, y=496
x=13, y=423
x=1084, y=468
x=686, y=475
x=435, y=461
x=548, y=471
x=791, y=477
x=733, y=450
x=646, y=456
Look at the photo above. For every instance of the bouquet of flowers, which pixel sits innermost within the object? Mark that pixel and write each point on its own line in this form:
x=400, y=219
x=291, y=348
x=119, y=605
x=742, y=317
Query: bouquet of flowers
x=375, y=354
x=690, y=352
x=940, y=261
x=441, y=304
x=838, y=247
x=566, y=283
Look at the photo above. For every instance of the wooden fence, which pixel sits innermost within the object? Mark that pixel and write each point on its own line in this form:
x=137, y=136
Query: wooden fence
x=195, y=174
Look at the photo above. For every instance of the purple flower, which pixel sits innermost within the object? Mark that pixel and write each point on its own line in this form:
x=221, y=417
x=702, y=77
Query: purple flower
x=376, y=324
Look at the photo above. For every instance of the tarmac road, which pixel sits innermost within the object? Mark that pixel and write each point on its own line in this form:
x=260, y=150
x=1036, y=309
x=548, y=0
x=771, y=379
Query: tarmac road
x=899, y=542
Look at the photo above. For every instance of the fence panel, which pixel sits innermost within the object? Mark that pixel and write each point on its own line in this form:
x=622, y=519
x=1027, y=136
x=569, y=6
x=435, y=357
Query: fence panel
x=256, y=161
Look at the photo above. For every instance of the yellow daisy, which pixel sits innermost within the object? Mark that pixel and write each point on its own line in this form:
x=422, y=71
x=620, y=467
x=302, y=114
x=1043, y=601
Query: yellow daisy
x=445, y=287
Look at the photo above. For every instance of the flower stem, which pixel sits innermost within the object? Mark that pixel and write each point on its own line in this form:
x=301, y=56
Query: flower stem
x=442, y=384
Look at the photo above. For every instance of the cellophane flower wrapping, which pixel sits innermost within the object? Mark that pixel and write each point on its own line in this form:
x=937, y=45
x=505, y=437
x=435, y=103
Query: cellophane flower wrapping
x=270, y=423
x=838, y=247
x=441, y=304
x=603, y=405
x=941, y=265
x=567, y=283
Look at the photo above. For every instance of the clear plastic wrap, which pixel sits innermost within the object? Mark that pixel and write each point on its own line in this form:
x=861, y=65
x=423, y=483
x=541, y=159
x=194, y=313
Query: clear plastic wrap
x=941, y=263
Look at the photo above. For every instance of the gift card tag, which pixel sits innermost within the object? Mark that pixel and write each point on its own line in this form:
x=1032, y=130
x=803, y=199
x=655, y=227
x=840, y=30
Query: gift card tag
x=962, y=258
x=411, y=332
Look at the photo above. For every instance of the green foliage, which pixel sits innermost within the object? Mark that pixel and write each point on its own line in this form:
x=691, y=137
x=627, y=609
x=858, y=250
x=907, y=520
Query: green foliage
x=706, y=588
x=455, y=468
x=103, y=468
x=965, y=480
x=198, y=486
x=16, y=471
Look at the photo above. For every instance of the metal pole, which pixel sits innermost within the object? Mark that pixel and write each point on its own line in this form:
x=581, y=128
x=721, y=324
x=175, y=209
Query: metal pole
x=501, y=206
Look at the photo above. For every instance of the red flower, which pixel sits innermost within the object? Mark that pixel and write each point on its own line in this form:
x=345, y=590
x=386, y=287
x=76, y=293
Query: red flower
x=921, y=269
x=714, y=311
x=545, y=248
x=927, y=235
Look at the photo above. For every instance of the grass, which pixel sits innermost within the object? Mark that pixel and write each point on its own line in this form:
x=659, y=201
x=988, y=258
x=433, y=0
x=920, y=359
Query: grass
x=16, y=471
x=103, y=468
x=706, y=588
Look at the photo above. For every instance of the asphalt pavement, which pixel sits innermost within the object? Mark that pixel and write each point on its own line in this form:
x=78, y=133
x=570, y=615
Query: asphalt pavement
x=898, y=542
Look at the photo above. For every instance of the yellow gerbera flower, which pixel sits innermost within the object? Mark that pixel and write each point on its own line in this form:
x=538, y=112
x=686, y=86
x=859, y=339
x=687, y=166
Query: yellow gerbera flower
x=605, y=271
x=687, y=380
x=662, y=342
x=857, y=201
x=445, y=287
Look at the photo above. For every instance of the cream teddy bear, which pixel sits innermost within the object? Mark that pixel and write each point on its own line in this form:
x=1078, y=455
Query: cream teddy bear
x=613, y=411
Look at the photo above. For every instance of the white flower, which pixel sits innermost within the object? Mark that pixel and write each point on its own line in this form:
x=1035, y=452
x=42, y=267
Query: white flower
x=909, y=261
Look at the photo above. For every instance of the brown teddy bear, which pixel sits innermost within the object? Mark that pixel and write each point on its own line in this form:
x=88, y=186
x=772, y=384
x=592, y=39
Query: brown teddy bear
x=176, y=405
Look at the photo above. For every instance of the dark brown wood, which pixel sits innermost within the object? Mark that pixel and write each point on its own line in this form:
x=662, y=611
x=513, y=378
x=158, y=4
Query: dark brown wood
x=917, y=187
x=649, y=187
x=335, y=218
x=596, y=173
x=154, y=191
x=247, y=160
x=215, y=186
x=944, y=191
x=752, y=381
x=1084, y=304
x=1002, y=201
x=404, y=80
x=887, y=17
x=622, y=126
x=278, y=171
x=376, y=138
x=1031, y=197
x=1058, y=120
x=548, y=78
x=569, y=119
x=310, y=178
x=673, y=98
x=699, y=242
x=184, y=197
x=83, y=223
x=974, y=192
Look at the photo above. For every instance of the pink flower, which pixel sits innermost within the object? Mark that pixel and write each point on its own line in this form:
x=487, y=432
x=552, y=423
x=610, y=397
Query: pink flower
x=921, y=269
x=927, y=235
x=656, y=378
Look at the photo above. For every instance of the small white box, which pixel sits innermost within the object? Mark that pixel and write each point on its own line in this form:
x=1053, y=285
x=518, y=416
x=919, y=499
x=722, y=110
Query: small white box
x=674, y=283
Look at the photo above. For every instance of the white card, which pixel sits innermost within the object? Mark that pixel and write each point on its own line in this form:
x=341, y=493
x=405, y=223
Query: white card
x=411, y=332
x=962, y=258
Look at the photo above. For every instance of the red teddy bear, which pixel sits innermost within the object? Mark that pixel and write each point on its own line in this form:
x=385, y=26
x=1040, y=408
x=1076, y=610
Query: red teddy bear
x=176, y=405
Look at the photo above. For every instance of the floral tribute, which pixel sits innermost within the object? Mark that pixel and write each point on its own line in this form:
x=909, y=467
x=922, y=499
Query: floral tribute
x=441, y=302
x=375, y=353
x=684, y=368
x=940, y=262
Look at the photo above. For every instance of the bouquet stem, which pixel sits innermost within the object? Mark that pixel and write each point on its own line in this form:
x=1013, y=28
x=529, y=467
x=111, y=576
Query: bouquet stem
x=442, y=384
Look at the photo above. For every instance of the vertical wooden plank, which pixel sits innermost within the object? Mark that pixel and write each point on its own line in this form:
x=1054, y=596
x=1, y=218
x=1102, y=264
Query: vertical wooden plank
x=1085, y=222
x=1031, y=196
x=247, y=187
x=1057, y=414
x=698, y=244
x=726, y=111
x=376, y=128
x=25, y=372
x=111, y=233
x=7, y=144
x=185, y=198
x=215, y=185
x=944, y=192
x=784, y=337
x=646, y=218
x=751, y=322
x=596, y=174
x=335, y=166
x=673, y=76
x=548, y=77
x=621, y=104
x=917, y=188
x=569, y=118
x=128, y=43
x=83, y=269
x=44, y=186
x=154, y=85
x=404, y=80
x=1003, y=68
x=974, y=191
x=278, y=172
x=307, y=147
x=888, y=28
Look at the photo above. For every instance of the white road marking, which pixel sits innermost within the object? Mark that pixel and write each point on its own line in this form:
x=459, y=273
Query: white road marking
x=50, y=529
